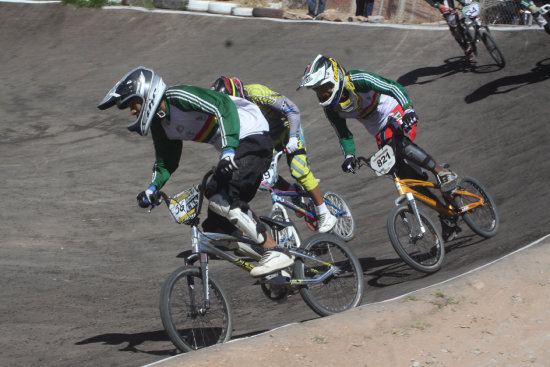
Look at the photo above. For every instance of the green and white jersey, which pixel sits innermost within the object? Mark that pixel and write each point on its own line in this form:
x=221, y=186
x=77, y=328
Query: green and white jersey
x=377, y=98
x=204, y=116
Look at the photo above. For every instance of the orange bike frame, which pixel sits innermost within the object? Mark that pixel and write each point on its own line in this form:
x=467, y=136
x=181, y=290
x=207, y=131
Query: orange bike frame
x=405, y=186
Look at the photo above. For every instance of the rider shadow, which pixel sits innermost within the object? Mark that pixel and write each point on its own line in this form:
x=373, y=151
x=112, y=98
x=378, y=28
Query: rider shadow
x=462, y=242
x=393, y=271
x=539, y=73
x=132, y=341
x=452, y=66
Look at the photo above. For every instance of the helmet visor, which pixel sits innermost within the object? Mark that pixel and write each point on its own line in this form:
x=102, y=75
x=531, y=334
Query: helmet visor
x=131, y=85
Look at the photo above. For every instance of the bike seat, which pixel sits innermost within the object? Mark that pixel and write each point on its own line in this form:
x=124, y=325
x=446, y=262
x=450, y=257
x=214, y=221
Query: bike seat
x=275, y=224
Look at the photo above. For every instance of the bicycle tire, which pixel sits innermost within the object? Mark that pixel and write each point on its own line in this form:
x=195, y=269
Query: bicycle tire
x=186, y=327
x=469, y=36
x=345, y=227
x=342, y=291
x=491, y=46
x=482, y=220
x=426, y=253
x=289, y=236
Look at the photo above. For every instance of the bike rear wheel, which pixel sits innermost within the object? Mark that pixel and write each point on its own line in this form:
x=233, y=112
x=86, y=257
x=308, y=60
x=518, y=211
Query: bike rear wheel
x=345, y=227
x=182, y=309
x=423, y=252
x=483, y=220
x=492, y=47
x=289, y=236
x=340, y=292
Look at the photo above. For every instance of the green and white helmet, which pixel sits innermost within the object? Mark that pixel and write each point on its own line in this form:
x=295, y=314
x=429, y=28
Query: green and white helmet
x=143, y=83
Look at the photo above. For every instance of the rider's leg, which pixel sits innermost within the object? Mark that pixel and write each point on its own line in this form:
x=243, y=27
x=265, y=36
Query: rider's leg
x=406, y=148
x=299, y=169
x=253, y=157
x=451, y=17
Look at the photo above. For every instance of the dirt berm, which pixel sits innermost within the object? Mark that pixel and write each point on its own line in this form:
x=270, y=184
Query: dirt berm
x=494, y=316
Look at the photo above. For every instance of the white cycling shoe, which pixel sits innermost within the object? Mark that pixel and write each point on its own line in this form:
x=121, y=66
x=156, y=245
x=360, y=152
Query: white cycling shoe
x=448, y=180
x=271, y=262
x=327, y=222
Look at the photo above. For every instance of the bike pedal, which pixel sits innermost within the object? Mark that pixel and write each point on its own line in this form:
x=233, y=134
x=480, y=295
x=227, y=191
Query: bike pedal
x=280, y=277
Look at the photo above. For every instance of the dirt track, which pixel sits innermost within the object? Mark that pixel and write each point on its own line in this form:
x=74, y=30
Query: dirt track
x=82, y=266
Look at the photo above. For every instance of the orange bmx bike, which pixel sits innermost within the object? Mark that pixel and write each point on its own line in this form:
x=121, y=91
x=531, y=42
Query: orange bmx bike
x=413, y=235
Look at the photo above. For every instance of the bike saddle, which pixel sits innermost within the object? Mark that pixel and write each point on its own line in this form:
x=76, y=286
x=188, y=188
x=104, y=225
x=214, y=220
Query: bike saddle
x=275, y=224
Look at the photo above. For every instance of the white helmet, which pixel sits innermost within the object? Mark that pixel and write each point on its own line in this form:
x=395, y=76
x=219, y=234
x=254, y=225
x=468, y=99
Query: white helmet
x=143, y=83
x=324, y=70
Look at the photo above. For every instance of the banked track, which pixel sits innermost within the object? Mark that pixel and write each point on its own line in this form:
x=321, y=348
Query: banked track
x=82, y=266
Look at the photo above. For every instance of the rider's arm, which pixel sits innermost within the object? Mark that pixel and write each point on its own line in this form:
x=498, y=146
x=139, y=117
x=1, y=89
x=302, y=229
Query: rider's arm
x=219, y=105
x=277, y=105
x=341, y=128
x=291, y=112
x=528, y=4
x=167, y=155
x=365, y=81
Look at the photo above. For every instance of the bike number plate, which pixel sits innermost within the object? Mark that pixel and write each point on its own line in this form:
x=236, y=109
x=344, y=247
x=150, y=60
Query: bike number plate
x=472, y=11
x=270, y=176
x=183, y=206
x=383, y=160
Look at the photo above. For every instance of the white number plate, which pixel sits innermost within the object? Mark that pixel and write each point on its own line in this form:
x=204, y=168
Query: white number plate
x=183, y=206
x=472, y=10
x=383, y=160
x=270, y=176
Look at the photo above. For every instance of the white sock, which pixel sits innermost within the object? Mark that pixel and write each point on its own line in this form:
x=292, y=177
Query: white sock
x=321, y=209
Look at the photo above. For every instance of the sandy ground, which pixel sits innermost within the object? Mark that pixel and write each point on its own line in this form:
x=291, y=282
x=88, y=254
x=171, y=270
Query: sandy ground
x=495, y=316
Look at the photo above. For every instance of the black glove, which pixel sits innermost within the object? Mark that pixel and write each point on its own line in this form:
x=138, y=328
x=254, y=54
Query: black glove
x=409, y=119
x=226, y=165
x=148, y=197
x=350, y=163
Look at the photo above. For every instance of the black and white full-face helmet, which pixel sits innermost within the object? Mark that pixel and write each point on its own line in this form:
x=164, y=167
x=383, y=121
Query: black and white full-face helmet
x=143, y=83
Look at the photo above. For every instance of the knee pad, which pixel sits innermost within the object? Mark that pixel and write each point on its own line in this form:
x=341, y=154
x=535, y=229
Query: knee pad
x=409, y=150
x=242, y=219
x=301, y=172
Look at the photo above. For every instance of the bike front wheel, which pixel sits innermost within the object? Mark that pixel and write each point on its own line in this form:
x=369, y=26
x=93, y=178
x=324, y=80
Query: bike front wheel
x=188, y=321
x=288, y=236
x=345, y=227
x=483, y=219
x=492, y=47
x=424, y=252
x=340, y=292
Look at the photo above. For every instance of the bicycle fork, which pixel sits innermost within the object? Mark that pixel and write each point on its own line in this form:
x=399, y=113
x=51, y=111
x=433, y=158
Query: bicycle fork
x=414, y=208
x=201, y=309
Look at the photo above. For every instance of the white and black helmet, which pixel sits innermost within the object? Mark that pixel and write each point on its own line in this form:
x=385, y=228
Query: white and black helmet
x=325, y=70
x=143, y=83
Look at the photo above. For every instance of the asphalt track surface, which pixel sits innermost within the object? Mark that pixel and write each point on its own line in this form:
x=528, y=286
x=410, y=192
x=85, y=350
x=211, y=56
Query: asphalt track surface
x=82, y=266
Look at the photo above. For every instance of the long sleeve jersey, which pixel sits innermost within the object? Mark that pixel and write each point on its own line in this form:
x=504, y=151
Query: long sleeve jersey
x=377, y=98
x=204, y=116
x=279, y=111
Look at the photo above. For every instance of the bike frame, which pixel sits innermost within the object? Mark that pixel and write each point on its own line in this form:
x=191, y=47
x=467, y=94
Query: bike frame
x=405, y=188
x=278, y=196
x=205, y=244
